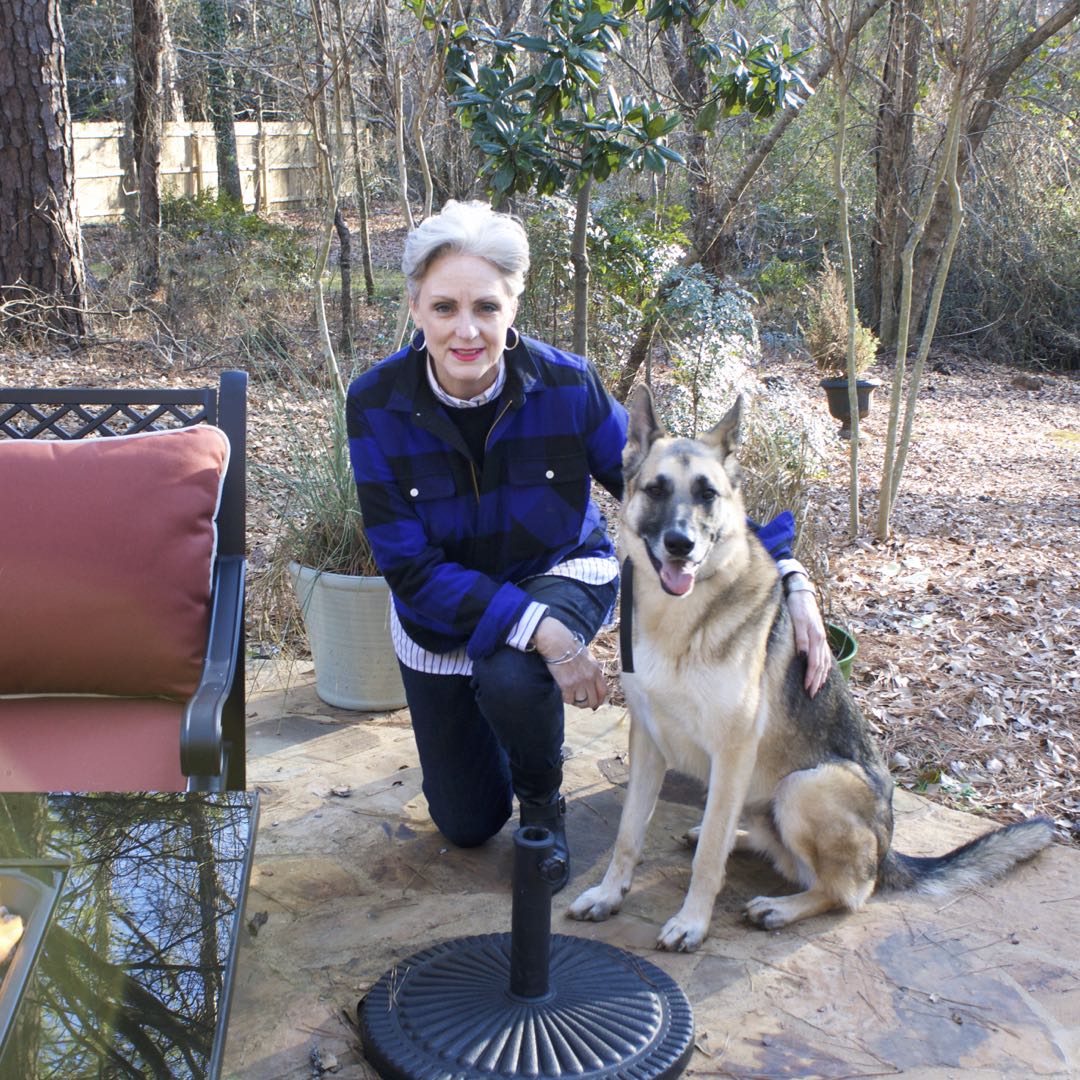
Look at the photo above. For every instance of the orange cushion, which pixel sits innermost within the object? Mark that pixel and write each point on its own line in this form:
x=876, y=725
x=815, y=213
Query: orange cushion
x=106, y=549
x=90, y=744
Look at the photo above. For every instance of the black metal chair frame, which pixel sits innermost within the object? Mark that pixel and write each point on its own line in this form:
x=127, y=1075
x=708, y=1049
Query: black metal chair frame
x=212, y=742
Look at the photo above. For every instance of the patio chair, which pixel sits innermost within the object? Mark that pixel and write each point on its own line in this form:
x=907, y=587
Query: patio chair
x=122, y=522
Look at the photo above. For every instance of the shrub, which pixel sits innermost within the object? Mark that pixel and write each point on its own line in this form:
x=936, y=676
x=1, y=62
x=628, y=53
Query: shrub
x=204, y=225
x=827, y=333
x=709, y=331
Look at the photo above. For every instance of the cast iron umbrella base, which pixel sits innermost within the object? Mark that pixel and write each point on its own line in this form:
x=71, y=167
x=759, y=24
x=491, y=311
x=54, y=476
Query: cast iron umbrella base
x=527, y=1003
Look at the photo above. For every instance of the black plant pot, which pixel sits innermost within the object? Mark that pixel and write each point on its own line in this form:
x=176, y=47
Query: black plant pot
x=836, y=390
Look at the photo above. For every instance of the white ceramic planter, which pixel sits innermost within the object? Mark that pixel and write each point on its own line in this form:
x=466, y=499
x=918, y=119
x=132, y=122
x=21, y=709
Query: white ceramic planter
x=348, y=627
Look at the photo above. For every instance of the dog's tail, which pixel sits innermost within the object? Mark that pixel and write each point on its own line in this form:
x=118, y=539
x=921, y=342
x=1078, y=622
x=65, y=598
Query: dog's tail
x=980, y=860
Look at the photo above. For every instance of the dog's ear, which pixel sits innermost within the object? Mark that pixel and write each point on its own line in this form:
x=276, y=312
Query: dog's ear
x=724, y=439
x=641, y=432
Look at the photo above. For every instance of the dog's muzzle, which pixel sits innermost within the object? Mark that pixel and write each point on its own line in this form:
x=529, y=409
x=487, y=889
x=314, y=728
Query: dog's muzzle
x=675, y=570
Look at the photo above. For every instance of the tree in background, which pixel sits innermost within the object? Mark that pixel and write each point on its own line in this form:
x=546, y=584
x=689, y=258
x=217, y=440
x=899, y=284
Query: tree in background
x=557, y=126
x=219, y=78
x=731, y=99
x=40, y=243
x=147, y=51
x=1001, y=56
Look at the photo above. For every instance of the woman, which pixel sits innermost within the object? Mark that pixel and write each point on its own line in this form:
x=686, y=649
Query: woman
x=473, y=450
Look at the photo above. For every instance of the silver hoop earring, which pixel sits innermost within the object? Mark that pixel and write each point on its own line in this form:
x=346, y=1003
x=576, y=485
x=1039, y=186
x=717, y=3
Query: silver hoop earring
x=517, y=339
x=417, y=342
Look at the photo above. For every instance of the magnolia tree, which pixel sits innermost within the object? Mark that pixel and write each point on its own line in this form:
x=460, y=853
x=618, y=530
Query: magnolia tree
x=547, y=115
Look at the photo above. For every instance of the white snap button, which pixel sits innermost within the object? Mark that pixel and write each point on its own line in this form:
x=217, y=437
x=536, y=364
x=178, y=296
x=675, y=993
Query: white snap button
x=414, y=492
x=550, y=475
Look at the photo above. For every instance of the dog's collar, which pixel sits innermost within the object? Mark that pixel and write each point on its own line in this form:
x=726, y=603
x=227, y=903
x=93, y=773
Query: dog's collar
x=626, y=612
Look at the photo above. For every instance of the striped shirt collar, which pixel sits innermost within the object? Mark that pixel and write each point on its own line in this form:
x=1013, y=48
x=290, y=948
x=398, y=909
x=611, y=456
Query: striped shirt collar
x=490, y=394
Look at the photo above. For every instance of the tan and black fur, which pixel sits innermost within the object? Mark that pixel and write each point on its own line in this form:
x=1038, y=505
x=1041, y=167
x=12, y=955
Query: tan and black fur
x=717, y=692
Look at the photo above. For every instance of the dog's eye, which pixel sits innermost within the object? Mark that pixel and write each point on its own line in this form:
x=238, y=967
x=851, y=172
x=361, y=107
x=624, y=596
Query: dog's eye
x=655, y=489
x=703, y=491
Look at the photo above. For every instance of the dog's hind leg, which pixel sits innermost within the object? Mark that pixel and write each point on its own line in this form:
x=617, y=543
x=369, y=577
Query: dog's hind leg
x=647, y=769
x=757, y=834
x=825, y=820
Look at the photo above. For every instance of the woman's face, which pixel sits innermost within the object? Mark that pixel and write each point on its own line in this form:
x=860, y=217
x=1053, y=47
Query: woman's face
x=464, y=308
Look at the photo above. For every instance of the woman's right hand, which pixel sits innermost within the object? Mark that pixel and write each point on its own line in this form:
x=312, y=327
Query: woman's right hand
x=579, y=677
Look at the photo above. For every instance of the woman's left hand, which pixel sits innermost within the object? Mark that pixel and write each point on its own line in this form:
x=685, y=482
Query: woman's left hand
x=810, y=638
x=581, y=679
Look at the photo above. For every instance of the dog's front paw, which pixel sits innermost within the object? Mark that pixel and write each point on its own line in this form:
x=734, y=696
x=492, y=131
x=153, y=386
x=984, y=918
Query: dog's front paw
x=594, y=905
x=766, y=913
x=681, y=934
x=691, y=836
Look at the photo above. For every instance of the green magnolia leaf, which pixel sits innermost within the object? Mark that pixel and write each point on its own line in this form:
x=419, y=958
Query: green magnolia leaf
x=656, y=127
x=652, y=160
x=533, y=44
x=670, y=155
x=707, y=115
x=613, y=99
x=592, y=60
x=504, y=177
x=553, y=72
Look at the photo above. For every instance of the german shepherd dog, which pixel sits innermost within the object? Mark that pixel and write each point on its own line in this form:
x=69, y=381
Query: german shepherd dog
x=717, y=692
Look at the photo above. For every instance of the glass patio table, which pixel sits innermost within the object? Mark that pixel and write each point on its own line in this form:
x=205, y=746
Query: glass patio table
x=133, y=907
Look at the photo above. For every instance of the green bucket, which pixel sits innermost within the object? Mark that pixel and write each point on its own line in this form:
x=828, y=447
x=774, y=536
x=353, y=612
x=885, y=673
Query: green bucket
x=844, y=647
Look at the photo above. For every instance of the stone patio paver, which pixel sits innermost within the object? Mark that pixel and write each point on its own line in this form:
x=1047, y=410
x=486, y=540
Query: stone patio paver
x=982, y=984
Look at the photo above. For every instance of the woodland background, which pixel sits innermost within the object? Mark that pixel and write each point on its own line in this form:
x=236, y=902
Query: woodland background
x=684, y=169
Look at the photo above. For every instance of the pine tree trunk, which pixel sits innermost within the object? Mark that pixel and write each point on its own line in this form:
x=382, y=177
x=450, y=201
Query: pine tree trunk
x=220, y=87
x=147, y=48
x=40, y=243
x=358, y=164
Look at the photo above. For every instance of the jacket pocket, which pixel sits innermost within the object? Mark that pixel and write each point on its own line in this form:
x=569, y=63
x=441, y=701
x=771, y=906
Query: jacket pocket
x=421, y=489
x=545, y=471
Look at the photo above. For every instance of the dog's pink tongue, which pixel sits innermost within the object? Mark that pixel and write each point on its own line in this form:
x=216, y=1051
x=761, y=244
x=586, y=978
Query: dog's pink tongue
x=676, y=580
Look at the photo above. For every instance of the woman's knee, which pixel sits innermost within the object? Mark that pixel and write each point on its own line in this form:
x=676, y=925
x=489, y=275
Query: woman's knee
x=509, y=678
x=470, y=828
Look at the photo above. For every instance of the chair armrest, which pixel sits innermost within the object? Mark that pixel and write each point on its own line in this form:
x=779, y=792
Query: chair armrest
x=202, y=749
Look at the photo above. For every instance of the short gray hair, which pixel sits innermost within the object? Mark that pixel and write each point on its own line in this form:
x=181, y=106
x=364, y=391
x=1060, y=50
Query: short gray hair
x=468, y=228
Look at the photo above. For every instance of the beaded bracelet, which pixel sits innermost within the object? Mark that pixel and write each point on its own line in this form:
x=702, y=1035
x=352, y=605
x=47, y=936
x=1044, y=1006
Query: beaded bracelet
x=570, y=654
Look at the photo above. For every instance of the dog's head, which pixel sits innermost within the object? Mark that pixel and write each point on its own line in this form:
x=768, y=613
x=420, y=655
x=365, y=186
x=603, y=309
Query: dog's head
x=682, y=497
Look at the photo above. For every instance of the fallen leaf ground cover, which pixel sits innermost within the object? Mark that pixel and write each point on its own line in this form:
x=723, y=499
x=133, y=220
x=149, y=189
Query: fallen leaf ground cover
x=967, y=618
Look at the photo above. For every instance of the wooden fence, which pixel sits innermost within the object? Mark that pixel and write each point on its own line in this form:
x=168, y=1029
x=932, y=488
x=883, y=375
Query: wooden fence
x=283, y=173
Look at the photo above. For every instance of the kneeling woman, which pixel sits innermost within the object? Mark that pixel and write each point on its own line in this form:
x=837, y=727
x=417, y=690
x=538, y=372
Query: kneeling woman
x=473, y=450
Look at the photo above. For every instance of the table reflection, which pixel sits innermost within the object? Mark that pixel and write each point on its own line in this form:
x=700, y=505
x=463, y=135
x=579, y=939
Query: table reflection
x=134, y=974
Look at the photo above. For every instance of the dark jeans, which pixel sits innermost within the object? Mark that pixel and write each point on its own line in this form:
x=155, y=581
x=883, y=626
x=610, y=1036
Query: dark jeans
x=498, y=733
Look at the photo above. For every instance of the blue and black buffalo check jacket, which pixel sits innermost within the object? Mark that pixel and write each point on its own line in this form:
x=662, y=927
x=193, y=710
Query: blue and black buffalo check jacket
x=435, y=517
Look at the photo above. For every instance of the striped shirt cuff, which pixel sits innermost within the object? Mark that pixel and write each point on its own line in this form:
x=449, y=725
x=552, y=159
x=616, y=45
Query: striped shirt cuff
x=791, y=566
x=794, y=576
x=522, y=631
